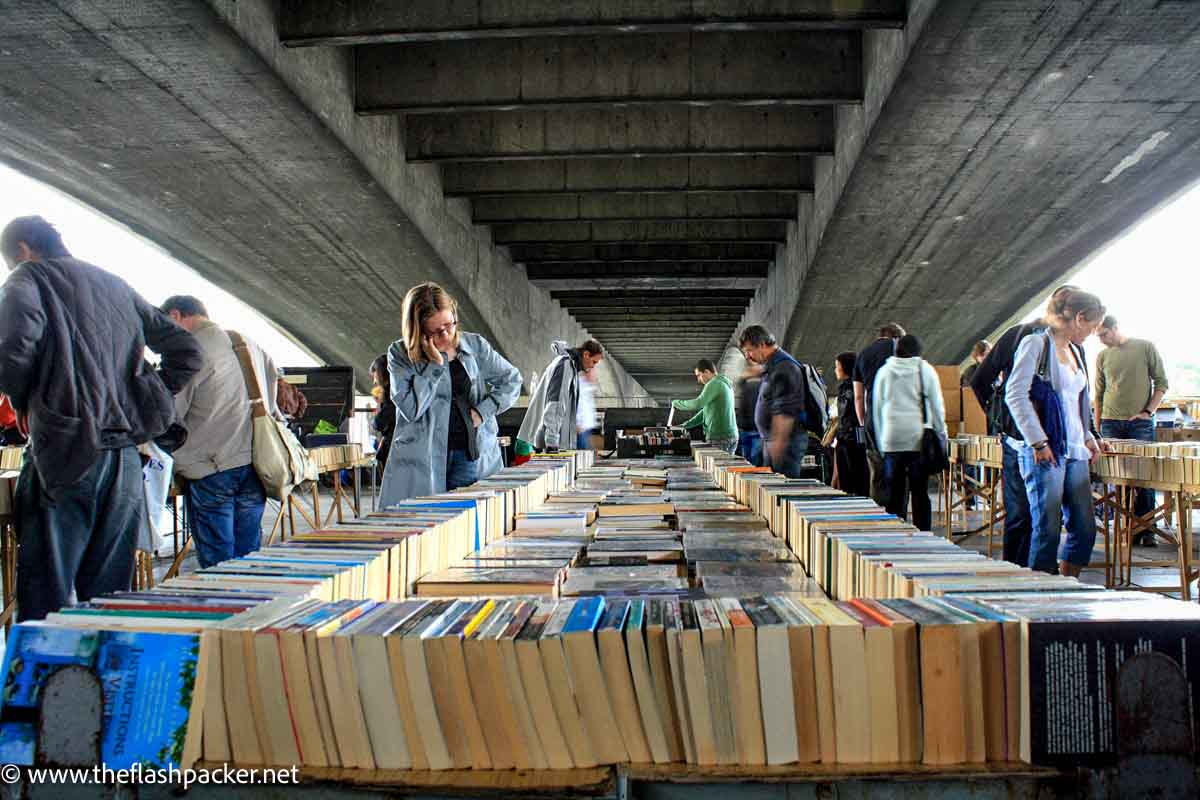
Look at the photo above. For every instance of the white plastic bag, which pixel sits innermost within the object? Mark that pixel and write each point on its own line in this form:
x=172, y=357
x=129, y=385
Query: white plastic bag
x=156, y=481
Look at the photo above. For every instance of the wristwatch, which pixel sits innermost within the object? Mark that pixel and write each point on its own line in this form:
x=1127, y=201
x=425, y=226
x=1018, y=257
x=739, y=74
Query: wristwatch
x=1041, y=444
x=1147, y=411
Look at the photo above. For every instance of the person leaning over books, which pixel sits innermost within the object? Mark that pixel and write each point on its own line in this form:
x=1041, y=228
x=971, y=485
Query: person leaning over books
x=714, y=407
x=988, y=383
x=72, y=347
x=1047, y=394
x=907, y=398
x=552, y=416
x=448, y=386
x=1130, y=383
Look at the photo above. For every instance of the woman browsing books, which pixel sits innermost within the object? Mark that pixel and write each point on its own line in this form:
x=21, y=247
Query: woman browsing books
x=448, y=386
x=1047, y=394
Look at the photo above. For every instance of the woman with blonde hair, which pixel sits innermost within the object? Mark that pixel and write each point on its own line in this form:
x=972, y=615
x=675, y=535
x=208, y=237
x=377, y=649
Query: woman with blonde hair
x=1047, y=394
x=448, y=386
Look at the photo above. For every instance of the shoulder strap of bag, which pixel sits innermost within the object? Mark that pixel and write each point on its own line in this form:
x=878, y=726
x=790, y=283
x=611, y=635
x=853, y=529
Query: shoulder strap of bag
x=921, y=384
x=248, y=375
x=1043, y=367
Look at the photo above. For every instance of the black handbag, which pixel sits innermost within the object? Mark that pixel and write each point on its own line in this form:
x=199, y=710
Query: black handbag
x=932, y=458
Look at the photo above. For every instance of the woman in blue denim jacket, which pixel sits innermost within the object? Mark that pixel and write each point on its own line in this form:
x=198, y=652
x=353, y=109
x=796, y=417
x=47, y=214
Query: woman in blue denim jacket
x=1058, y=486
x=448, y=387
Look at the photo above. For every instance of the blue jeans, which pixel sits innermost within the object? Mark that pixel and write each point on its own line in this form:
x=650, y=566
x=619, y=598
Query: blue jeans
x=793, y=459
x=460, y=471
x=225, y=511
x=1018, y=526
x=1059, y=494
x=583, y=440
x=904, y=476
x=1142, y=430
x=750, y=447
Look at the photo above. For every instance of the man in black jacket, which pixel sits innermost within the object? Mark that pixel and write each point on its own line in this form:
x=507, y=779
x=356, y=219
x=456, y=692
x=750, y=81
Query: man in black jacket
x=72, y=346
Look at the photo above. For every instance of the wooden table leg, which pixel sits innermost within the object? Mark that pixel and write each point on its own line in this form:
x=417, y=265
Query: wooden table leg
x=1181, y=503
x=337, y=494
x=357, y=474
x=316, y=499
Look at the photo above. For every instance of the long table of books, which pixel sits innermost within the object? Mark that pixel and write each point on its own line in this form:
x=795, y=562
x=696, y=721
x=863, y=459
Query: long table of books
x=1170, y=469
x=672, y=618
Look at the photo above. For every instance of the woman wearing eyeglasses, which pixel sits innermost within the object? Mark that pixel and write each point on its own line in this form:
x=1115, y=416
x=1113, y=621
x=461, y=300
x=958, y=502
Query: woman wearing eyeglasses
x=448, y=387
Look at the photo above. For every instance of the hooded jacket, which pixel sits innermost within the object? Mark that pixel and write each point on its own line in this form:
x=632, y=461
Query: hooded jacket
x=416, y=464
x=549, y=422
x=72, y=347
x=896, y=404
x=715, y=405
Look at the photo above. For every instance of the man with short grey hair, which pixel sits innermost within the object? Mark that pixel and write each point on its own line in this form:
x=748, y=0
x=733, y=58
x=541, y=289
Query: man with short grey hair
x=224, y=495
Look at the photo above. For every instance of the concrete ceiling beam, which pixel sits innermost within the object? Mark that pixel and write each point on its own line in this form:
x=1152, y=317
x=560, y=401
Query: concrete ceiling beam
x=657, y=174
x=633, y=270
x=743, y=68
x=640, y=231
x=689, y=251
x=623, y=131
x=307, y=23
x=633, y=205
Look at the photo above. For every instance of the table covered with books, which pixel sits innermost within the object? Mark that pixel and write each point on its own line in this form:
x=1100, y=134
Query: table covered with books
x=679, y=621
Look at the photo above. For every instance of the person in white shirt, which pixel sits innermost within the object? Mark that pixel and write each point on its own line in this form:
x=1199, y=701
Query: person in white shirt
x=900, y=421
x=585, y=414
x=1057, y=445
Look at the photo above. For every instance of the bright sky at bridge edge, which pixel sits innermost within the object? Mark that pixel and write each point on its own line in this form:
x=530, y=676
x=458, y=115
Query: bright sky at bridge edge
x=95, y=238
x=1149, y=278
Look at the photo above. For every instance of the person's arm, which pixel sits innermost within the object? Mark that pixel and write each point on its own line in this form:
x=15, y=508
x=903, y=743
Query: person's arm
x=502, y=379
x=182, y=357
x=554, y=408
x=1101, y=387
x=413, y=385
x=936, y=406
x=1016, y=392
x=700, y=401
x=984, y=380
x=1158, y=374
x=860, y=404
x=22, y=326
x=785, y=404
x=694, y=421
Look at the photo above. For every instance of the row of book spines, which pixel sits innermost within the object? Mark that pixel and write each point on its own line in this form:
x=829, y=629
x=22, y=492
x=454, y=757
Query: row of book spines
x=330, y=658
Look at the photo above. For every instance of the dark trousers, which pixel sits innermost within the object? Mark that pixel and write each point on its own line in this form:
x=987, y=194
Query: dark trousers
x=854, y=475
x=82, y=540
x=1142, y=430
x=750, y=447
x=226, y=511
x=460, y=470
x=1018, y=522
x=905, y=476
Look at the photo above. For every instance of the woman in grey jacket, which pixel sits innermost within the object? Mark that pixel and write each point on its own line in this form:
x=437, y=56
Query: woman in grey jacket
x=1058, y=484
x=448, y=387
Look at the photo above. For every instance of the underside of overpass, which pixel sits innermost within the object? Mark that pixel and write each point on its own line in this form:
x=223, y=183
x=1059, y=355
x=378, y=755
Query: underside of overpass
x=655, y=174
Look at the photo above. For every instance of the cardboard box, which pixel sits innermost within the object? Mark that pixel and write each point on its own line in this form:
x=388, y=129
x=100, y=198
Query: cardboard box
x=974, y=417
x=949, y=375
x=952, y=400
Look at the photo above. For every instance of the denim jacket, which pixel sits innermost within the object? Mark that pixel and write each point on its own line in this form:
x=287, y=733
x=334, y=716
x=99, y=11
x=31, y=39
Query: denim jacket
x=417, y=462
x=1016, y=392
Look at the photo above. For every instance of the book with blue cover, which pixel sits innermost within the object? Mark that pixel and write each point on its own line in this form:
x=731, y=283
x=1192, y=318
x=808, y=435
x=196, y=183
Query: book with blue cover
x=147, y=680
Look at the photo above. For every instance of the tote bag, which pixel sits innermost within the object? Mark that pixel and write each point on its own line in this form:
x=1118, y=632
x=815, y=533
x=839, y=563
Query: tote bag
x=278, y=458
x=933, y=458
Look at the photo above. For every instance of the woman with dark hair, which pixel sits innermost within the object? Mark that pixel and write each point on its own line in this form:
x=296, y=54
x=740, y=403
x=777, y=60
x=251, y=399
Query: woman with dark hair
x=448, y=386
x=384, y=422
x=907, y=400
x=853, y=473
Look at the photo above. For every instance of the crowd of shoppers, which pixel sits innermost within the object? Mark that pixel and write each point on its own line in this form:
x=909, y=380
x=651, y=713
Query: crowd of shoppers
x=76, y=386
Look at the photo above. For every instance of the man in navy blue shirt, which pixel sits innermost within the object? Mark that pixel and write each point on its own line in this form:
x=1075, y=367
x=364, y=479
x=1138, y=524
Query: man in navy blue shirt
x=779, y=413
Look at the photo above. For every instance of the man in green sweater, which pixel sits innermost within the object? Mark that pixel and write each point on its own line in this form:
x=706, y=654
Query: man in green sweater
x=1130, y=383
x=715, y=407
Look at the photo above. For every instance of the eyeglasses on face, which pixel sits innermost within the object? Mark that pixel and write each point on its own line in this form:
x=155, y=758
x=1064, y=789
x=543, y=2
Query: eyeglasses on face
x=442, y=332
